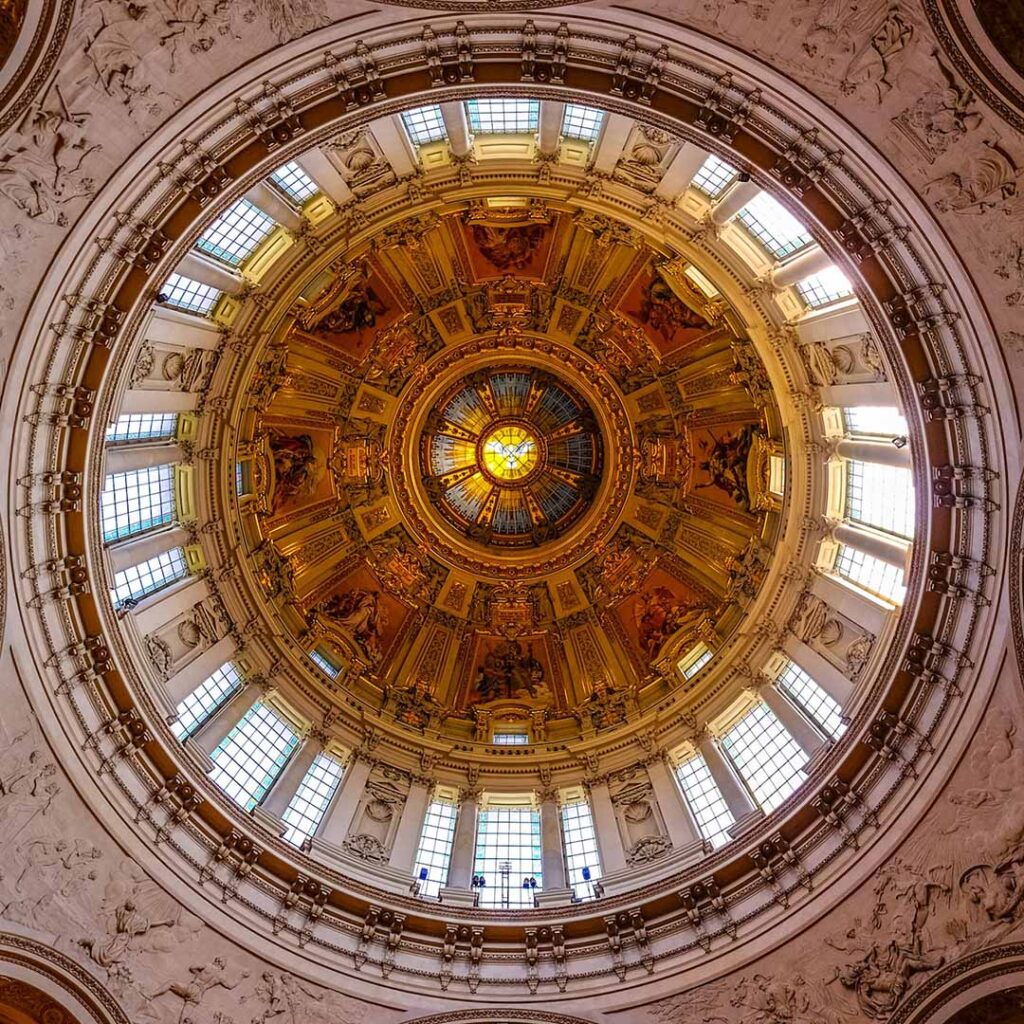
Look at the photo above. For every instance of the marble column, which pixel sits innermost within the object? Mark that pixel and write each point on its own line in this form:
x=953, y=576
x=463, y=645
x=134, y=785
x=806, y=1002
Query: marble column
x=793, y=720
x=284, y=787
x=275, y=206
x=460, y=142
x=734, y=793
x=134, y=550
x=680, y=172
x=460, y=870
x=871, y=543
x=198, y=670
x=326, y=176
x=733, y=201
x=552, y=854
x=549, y=132
x=336, y=822
x=210, y=735
x=213, y=275
x=680, y=826
x=884, y=453
x=410, y=827
x=811, y=261
x=609, y=841
x=125, y=458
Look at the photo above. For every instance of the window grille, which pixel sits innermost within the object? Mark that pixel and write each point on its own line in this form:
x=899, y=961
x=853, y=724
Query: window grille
x=695, y=660
x=425, y=124
x=880, y=496
x=872, y=574
x=714, y=177
x=817, y=704
x=189, y=296
x=875, y=421
x=311, y=800
x=235, y=233
x=294, y=182
x=582, y=122
x=138, y=581
x=774, y=226
x=202, y=703
x=579, y=841
x=705, y=800
x=252, y=755
x=510, y=739
x=830, y=285
x=324, y=663
x=137, y=500
x=503, y=116
x=507, y=853
x=143, y=426
x=770, y=761
x=435, y=850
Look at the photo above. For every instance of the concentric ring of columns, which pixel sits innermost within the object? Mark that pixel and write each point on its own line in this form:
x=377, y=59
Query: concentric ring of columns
x=316, y=915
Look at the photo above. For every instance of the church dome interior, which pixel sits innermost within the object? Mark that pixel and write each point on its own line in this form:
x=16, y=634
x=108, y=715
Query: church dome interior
x=510, y=517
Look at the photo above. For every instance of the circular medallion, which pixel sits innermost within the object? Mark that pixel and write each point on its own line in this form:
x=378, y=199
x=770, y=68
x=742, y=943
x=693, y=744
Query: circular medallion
x=511, y=457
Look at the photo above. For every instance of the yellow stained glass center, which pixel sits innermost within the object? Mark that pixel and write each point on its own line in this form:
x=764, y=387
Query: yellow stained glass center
x=510, y=452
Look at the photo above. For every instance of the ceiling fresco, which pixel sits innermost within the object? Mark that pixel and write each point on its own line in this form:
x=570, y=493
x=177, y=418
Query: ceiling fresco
x=507, y=458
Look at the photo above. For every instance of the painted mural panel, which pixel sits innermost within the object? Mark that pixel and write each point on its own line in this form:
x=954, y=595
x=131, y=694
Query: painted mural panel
x=722, y=463
x=662, y=606
x=299, y=474
x=363, y=614
x=502, y=246
x=670, y=322
x=520, y=669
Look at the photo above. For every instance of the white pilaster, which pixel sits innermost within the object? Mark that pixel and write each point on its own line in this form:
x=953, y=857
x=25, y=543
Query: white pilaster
x=611, y=143
x=549, y=132
x=134, y=550
x=407, y=837
x=872, y=543
x=335, y=825
x=681, y=828
x=680, y=172
x=460, y=869
x=210, y=735
x=275, y=206
x=214, y=275
x=283, y=788
x=394, y=143
x=822, y=671
x=326, y=176
x=812, y=260
x=609, y=841
x=733, y=200
x=734, y=793
x=793, y=720
x=154, y=400
x=552, y=855
x=885, y=453
x=198, y=670
x=124, y=458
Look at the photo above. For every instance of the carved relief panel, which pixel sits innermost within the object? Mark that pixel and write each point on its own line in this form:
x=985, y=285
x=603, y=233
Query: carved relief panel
x=641, y=826
x=850, y=359
x=833, y=635
x=176, y=643
x=377, y=816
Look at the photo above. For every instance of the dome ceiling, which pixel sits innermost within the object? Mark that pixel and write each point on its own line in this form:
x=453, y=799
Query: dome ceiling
x=505, y=459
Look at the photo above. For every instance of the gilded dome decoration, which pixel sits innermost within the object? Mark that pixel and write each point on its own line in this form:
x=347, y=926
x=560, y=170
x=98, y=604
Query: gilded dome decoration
x=511, y=457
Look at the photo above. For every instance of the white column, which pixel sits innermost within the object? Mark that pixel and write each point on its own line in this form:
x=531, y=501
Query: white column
x=209, y=736
x=734, y=793
x=275, y=207
x=124, y=458
x=680, y=172
x=820, y=669
x=890, y=551
x=609, y=841
x=549, y=133
x=134, y=550
x=811, y=261
x=283, y=788
x=205, y=271
x=885, y=453
x=336, y=822
x=552, y=855
x=456, y=124
x=167, y=605
x=794, y=721
x=325, y=175
x=611, y=143
x=407, y=837
x=198, y=670
x=681, y=828
x=394, y=143
x=734, y=200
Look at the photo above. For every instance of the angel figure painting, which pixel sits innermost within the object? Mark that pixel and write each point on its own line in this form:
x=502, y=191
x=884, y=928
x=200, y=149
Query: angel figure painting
x=669, y=322
x=299, y=469
x=511, y=669
x=509, y=248
x=722, y=464
x=660, y=609
x=365, y=614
